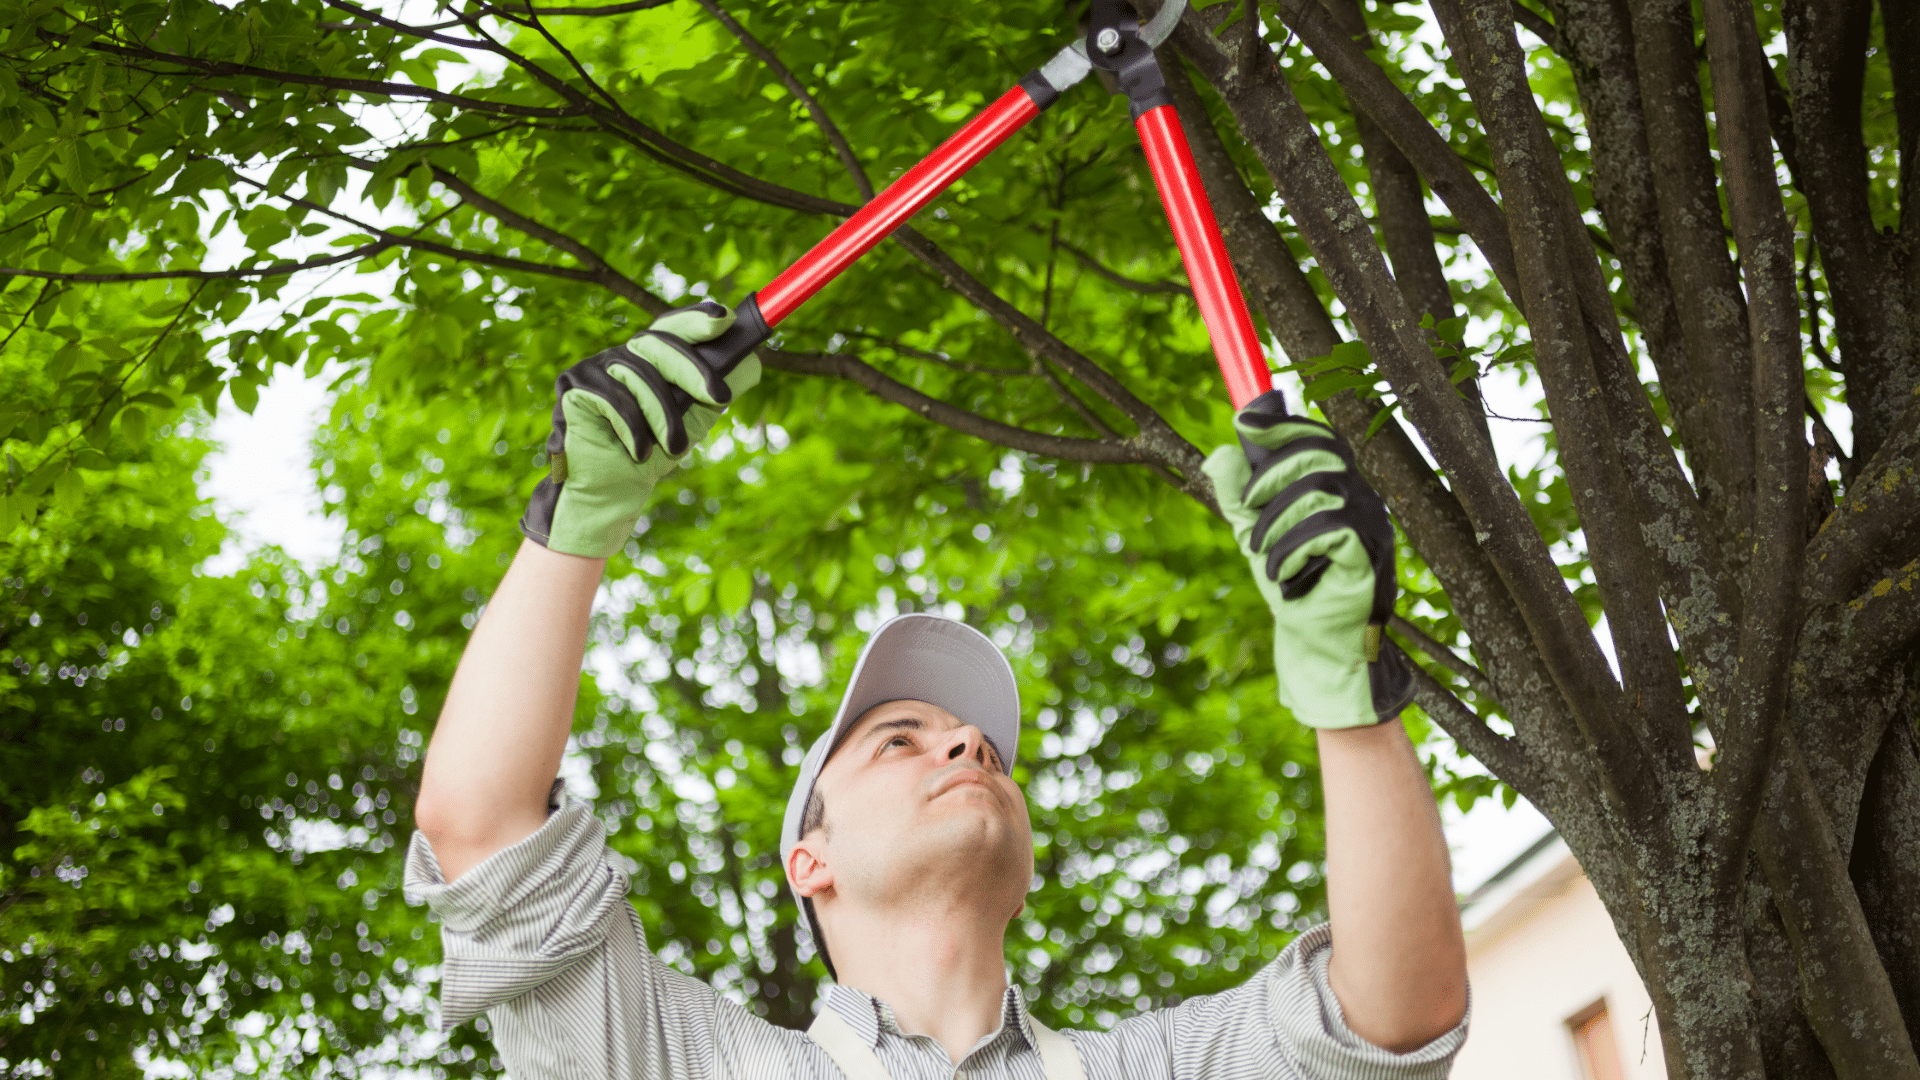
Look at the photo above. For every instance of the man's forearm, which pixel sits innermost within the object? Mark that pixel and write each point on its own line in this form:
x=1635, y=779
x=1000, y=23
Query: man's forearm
x=1399, y=962
x=497, y=746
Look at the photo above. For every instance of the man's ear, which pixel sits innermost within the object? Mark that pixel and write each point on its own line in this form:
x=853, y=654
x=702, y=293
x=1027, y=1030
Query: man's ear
x=807, y=870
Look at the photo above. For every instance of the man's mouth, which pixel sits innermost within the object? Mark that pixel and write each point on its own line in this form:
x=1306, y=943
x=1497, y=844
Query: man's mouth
x=962, y=777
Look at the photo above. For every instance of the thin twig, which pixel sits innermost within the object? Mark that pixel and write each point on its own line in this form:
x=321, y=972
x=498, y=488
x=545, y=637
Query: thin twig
x=276, y=270
x=1144, y=288
x=878, y=383
x=923, y=354
x=25, y=315
x=1541, y=27
x=122, y=384
x=1506, y=757
x=814, y=109
x=565, y=54
x=1445, y=657
x=647, y=140
x=614, y=280
x=1517, y=419
x=1832, y=445
x=604, y=9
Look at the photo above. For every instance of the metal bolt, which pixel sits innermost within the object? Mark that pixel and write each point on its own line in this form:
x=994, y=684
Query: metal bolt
x=1107, y=41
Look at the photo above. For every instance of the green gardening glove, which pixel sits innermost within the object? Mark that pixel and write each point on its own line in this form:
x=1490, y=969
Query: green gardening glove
x=1322, y=551
x=623, y=419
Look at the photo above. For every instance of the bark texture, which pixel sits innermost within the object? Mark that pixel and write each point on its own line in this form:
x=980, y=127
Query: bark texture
x=1762, y=895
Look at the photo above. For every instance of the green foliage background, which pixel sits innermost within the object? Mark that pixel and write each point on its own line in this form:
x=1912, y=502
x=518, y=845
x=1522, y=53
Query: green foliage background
x=205, y=782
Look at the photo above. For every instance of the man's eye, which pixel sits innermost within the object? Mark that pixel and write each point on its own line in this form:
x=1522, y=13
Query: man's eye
x=898, y=740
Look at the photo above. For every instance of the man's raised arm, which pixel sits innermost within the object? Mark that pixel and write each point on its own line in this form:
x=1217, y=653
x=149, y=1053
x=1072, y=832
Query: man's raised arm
x=1322, y=549
x=497, y=746
x=621, y=421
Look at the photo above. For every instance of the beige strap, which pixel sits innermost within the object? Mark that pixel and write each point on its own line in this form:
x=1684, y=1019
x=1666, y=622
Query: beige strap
x=1058, y=1056
x=845, y=1047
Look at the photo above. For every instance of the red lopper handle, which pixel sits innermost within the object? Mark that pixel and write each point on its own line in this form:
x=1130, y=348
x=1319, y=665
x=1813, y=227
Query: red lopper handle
x=901, y=200
x=1215, y=288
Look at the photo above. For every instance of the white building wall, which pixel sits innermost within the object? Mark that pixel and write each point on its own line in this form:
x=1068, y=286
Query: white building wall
x=1540, y=952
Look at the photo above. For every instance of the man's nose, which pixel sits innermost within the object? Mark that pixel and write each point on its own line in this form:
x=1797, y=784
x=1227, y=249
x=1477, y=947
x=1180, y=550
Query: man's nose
x=968, y=741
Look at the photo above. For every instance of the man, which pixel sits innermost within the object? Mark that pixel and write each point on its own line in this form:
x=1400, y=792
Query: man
x=906, y=839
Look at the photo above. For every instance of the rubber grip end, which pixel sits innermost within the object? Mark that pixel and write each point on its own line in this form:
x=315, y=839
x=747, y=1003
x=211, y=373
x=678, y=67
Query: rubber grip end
x=748, y=332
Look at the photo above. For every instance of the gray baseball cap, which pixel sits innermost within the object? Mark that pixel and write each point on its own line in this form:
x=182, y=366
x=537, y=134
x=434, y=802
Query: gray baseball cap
x=922, y=657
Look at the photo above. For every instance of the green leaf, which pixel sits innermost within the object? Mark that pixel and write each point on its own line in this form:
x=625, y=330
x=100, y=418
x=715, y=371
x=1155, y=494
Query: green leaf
x=736, y=589
x=1351, y=354
x=419, y=184
x=25, y=166
x=1380, y=418
x=699, y=591
x=826, y=577
x=133, y=424
x=67, y=488
x=1326, y=386
x=246, y=393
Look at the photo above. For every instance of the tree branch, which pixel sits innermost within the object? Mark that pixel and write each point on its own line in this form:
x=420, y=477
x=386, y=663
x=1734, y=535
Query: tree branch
x=1369, y=89
x=1158, y=438
x=1440, y=654
x=814, y=109
x=1771, y=620
x=1857, y=1018
x=616, y=282
x=1874, y=526
x=1425, y=509
x=46, y=288
x=1400, y=212
x=604, y=9
x=1537, y=24
x=1506, y=758
x=1873, y=308
x=1555, y=259
x=483, y=258
x=1264, y=106
x=1134, y=285
x=276, y=270
x=224, y=69
x=653, y=143
x=1717, y=369
x=945, y=361
x=879, y=384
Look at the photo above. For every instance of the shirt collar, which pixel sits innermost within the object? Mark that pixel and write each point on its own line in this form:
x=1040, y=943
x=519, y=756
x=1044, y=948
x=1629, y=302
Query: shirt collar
x=870, y=1017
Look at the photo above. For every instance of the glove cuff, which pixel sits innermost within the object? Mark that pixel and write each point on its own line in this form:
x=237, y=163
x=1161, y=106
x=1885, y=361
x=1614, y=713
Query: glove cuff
x=537, y=523
x=1343, y=701
x=1391, y=682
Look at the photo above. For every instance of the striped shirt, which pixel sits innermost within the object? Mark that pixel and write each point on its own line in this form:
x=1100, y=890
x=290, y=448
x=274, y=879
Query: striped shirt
x=540, y=937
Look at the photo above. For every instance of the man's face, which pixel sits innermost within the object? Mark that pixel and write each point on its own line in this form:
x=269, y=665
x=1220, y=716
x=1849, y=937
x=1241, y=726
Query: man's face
x=918, y=800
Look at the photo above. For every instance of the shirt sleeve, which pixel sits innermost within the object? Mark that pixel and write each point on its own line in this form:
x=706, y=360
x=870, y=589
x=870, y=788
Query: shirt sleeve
x=1283, y=1023
x=1308, y=1016
x=541, y=938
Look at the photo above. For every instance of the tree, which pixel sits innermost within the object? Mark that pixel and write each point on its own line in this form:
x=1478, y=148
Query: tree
x=1689, y=205
x=197, y=800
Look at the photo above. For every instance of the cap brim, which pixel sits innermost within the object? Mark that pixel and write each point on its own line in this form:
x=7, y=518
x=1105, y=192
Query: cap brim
x=919, y=657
